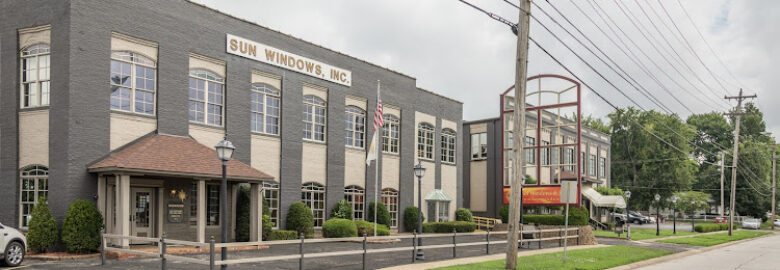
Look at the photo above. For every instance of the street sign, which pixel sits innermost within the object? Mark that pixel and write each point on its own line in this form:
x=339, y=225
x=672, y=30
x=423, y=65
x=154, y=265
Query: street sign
x=568, y=191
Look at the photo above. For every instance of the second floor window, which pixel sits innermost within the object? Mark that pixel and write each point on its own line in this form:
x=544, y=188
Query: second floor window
x=448, y=145
x=592, y=165
x=602, y=167
x=132, y=83
x=206, y=97
x=479, y=146
x=355, y=127
x=313, y=118
x=425, y=133
x=35, y=76
x=265, y=109
x=390, y=134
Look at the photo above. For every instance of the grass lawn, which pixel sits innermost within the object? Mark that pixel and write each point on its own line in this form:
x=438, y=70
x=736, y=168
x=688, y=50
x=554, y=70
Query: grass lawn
x=593, y=258
x=642, y=234
x=715, y=239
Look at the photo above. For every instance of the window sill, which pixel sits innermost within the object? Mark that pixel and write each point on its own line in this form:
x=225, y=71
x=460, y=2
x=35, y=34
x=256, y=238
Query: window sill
x=265, y=134
x=204, y=125
x=448, y=163
x=426, y=159
x=479, y=159
x=38, y=108
x=390, y=153
x=152, y=116
x=315, y=142
x=354, y=149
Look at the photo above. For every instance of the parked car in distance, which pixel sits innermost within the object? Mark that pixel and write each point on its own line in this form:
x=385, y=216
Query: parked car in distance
x=651, y=219
x=751, y=223
x=777, y=222
x=13, y=245
x=721, y=220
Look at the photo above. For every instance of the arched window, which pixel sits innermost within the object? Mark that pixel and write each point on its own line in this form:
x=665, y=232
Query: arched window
x=448, y=146
x=35, y=70
x=390, y=199
x=355, y=195
x=34, y=185
x=271, y=190
x=206, y=97
x=314, y=118
x=391, y=133
x=313, y=195
x=355, y=127
x=265, y=109
x=425, y=133
x=133, y=82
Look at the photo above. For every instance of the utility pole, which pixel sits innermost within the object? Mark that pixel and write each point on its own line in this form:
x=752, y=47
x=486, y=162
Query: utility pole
x=722, y=176
x=774, y=184
x=738, y=114
x=521, y=69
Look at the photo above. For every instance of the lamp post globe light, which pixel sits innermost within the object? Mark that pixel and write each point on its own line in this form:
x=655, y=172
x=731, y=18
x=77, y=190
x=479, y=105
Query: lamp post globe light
x=224, y=152
x=419, y=171
x=628, y=214
x=674, y=213
x=693, y=210
x=657, y=214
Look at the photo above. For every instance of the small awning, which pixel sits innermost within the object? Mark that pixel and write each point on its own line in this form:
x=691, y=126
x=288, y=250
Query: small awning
x=598, y=200
x=437, y=195
x=174, y=156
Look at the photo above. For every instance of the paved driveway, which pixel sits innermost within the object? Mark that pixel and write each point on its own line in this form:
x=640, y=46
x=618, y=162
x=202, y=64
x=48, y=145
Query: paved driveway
x=757, y=254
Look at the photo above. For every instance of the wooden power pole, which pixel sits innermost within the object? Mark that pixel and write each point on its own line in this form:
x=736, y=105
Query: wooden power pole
x=521, y=69
x=738, y=114
x=774, y=184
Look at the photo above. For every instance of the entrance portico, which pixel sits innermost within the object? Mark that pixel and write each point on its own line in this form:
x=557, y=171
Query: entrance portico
x=163, y=183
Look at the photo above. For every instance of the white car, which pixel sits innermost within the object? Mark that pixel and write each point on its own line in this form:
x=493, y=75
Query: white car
x=777, y=222
x=13, y=245
x=651, y=219
x=751, y=223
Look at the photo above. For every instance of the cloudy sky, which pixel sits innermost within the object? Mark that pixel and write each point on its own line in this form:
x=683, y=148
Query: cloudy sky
x=454, y=50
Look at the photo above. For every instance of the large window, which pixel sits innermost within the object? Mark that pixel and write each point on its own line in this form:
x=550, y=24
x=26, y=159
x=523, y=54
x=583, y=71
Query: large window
x=440, y=210
x=592, y=165
x=206, y=97
x=425, y=133
x=271, y=190
x=34, y=186
x=355, y=195
x=212, y=205
x=313, y=195
x=530, y=154
x=35, y=76
x=265, y=109
x=355, y=127
x=132, y=83
x=545, y=153
x=391, y=134
x=448, y=146
x=479, y=146
x=313, y=118
x=390, y=199
x=602, y=167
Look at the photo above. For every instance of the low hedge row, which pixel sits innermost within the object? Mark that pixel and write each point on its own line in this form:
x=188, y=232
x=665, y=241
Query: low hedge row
x=367, y=228
x=447, y=227
x=711, y=227
x=339, y=227
x=283, y=235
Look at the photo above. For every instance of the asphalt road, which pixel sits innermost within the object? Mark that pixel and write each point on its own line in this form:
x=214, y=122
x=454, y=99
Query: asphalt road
x=758, y=254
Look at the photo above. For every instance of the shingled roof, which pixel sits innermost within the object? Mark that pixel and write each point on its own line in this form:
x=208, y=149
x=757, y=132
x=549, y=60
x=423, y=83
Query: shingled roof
x=168, y=155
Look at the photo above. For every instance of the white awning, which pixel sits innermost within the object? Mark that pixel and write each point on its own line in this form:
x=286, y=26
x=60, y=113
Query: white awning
x=598, y=200
x=437, y=195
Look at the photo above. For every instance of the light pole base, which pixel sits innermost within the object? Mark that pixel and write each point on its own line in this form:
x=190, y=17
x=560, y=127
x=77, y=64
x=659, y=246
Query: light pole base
x=420, y=255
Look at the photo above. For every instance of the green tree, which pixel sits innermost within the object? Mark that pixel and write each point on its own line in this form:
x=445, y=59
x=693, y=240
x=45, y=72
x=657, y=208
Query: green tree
x=342, y=210
x=81, y=227
x=300, y=219
x=243, y=205
x=382, y=215
x=684, y=204
x=712, y=133
x=42, y=232
x=592, y=123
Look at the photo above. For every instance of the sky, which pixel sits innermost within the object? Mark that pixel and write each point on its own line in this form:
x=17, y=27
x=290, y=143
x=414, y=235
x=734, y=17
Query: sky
x=459, y=52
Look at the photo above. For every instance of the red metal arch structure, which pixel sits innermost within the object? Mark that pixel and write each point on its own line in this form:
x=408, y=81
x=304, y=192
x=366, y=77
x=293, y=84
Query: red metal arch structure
x=545, y=93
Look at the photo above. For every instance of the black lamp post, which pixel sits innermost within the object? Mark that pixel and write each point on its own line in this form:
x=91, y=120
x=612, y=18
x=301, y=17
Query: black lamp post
x=224, y=151
x=674, y=213
x=657, y=214
x=628, y=214
x=419, y=171
x=693, y=211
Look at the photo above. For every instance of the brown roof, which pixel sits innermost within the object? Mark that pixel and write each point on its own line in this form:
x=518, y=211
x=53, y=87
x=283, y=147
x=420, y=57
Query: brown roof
x=169, y=155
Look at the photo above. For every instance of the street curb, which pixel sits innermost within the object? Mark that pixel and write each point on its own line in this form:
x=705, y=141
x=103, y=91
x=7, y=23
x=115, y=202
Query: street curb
x=678, y=236
x=682, y=254
x=69, y=257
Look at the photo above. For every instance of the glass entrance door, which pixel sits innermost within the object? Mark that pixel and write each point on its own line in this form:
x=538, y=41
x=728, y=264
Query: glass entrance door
x=142, y=215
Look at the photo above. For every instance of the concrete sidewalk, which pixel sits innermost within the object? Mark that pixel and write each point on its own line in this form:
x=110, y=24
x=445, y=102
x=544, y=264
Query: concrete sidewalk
x=469, y=260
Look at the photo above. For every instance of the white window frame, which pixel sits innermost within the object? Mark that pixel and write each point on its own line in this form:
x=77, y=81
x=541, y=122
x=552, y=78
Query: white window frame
x=314, y=108
x=315, y=202
x=261, y=96
x=135, y=60
x=207, y=77
x=390, y=199
x=448, y=145
x=602, y=167
x=592, y=165
x=271, y=192
x=355, y=127
x=39, y=175
x=356, y=196
x=391, y=132
x=479, y=146
x=40, y=80
x=425, y=141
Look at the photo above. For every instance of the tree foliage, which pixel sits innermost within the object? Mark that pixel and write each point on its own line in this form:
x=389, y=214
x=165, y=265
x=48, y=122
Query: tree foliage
x=81, y=227
x=42, y=232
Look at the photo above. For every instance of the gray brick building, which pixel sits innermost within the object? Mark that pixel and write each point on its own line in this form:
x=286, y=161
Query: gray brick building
x=87, y=87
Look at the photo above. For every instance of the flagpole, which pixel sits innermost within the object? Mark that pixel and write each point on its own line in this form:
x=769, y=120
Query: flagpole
x=376, y=164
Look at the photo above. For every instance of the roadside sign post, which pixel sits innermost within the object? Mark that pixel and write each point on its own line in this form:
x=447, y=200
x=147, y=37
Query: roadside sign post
x=567, y=198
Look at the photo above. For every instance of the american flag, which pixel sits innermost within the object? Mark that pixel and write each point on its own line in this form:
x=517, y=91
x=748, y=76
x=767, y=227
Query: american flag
x=373, y=152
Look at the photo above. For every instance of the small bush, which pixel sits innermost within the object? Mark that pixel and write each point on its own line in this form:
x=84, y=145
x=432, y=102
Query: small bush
x=449, y=226
x=283, y=235
x=342, y=210
x=42, y=230
x=267, y=226
x=367, y=228
x=383, y=216
x=711, y=227
x=339, y=227
x=463, y=214
x=410, y=218
x=300, y=219
x=81, y=228
x=504, y=212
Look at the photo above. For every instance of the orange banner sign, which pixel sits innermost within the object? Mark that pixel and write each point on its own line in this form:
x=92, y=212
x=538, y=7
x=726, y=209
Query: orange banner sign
x=538, y=195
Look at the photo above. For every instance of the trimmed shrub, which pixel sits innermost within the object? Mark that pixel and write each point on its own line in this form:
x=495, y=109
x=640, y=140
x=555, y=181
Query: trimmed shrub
x=282, y=235
x=463, y=214
x=365, y=227
x=300, y=219
x=339, y=227
x=577, y=217
x=504, y=212
x=342, y=210
x=711, y=227
x=243, y=202
x=81, y=228
x=42, y=230
x=449, y=226
x=410, y=218
x=382, y=216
